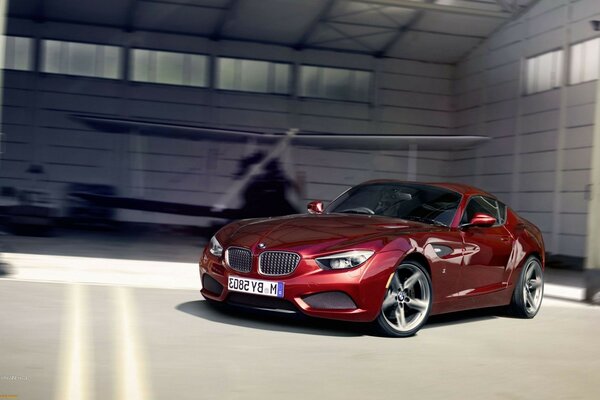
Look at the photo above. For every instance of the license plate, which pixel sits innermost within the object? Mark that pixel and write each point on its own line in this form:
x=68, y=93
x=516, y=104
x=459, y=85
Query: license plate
x=255, y=286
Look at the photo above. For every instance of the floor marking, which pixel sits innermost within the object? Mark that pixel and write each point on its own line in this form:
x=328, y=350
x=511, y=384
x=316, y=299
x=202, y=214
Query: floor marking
x=560, y=303
x=103, y=271
x=77, y=364
x=131, y=382
x=147, y=274
x=564, y=292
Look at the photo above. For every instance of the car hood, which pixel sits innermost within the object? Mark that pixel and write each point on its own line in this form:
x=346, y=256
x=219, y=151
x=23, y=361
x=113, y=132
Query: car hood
x=314, y=234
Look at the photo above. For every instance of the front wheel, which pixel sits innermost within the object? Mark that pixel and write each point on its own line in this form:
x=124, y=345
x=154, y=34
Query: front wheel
x=407, y=302
x=529, y=290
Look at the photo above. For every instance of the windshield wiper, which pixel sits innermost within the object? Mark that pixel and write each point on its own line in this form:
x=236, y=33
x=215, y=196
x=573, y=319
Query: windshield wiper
x=425, y=220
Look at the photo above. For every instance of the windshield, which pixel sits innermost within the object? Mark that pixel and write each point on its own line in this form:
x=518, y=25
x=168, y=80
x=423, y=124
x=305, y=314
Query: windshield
x=408, y=201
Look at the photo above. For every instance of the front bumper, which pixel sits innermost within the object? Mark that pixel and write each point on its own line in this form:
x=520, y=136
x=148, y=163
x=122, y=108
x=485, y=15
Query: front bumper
x=349, y=295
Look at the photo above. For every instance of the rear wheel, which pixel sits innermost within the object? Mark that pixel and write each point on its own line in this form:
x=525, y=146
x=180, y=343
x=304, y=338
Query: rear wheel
x=407, y=302
x=529, y=291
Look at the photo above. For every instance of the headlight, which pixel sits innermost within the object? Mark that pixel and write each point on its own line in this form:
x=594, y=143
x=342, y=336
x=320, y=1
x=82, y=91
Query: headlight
x=215, y=247
x=349, y=259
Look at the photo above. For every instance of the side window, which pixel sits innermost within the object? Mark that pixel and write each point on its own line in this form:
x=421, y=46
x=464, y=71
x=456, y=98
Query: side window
x=502, y=212
x=486, y=205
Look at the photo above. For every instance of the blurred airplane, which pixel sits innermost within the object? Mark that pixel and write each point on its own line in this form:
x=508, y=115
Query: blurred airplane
x=260, y=181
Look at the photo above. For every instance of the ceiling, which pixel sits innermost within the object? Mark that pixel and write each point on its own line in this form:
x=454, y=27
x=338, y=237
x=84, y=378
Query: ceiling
x=427, y=30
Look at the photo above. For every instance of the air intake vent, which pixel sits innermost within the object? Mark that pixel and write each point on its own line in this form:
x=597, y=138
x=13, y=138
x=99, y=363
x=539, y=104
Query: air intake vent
x=210, y=284
x=260, y=302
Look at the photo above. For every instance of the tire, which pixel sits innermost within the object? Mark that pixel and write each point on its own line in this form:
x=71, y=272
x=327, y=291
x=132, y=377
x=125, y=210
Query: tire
x=407, y=301
x=529, y=290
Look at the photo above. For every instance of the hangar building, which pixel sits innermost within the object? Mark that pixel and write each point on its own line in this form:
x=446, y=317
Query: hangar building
x=93, y=88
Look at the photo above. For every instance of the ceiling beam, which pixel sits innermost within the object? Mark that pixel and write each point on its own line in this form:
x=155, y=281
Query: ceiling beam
x=384, y=52
x=185, y=3
x=130, y=17
x=462, y=35
x=518, y=14
x=346, y=36
x=511, y=6
x=413, y=5
x=39, y=12
x=356, y=12
x=362, y=24
x=226, y=16
x=323, y=12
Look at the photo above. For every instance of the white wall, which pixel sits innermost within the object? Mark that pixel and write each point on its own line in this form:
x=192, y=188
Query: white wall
x=539, y=160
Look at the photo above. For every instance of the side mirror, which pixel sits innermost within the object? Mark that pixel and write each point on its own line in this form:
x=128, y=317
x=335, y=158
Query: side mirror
x=482, y=220
x=315, y=207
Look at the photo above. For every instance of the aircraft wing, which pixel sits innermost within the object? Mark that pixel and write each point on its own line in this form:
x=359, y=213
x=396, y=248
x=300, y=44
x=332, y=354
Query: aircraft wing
x=278, y=139
x=121, y=125
x=131, y=203
x=328, y=141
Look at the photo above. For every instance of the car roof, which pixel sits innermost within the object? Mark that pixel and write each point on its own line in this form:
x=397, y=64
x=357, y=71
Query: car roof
x=455, y=187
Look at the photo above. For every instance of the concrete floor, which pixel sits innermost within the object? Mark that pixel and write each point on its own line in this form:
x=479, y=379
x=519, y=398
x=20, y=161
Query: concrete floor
x=132, y=243
x=114, y=331
x=76, y=341
x=128, y=251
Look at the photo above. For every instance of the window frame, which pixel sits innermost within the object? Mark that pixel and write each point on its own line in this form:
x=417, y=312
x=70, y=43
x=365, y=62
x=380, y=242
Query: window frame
x=554, y=71
x=499, y=221
x=237, y=78
x=64, y=64
x=414, y=185
x=30, y=53
x=152, y=69
x=582, y=60
x=320, y=80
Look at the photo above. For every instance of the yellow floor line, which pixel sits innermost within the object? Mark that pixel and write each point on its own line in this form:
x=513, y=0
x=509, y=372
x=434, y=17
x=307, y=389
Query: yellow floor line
x=76, y=371
x=131, y=382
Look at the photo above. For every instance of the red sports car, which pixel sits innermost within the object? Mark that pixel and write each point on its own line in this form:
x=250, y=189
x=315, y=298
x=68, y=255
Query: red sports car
x=386, y=252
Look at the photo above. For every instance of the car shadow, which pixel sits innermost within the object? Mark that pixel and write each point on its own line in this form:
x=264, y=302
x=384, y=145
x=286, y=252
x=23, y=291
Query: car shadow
x=465, y=317
x=301, y=324
x=271, y=320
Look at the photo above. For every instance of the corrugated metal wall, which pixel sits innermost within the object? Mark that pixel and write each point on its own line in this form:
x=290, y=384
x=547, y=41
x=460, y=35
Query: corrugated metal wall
x=408, y=98
x=538, y=161
x=540, y=158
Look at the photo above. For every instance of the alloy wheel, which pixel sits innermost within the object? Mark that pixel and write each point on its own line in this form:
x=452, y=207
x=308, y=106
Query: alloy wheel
x=407, y=300
x=533, y=286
